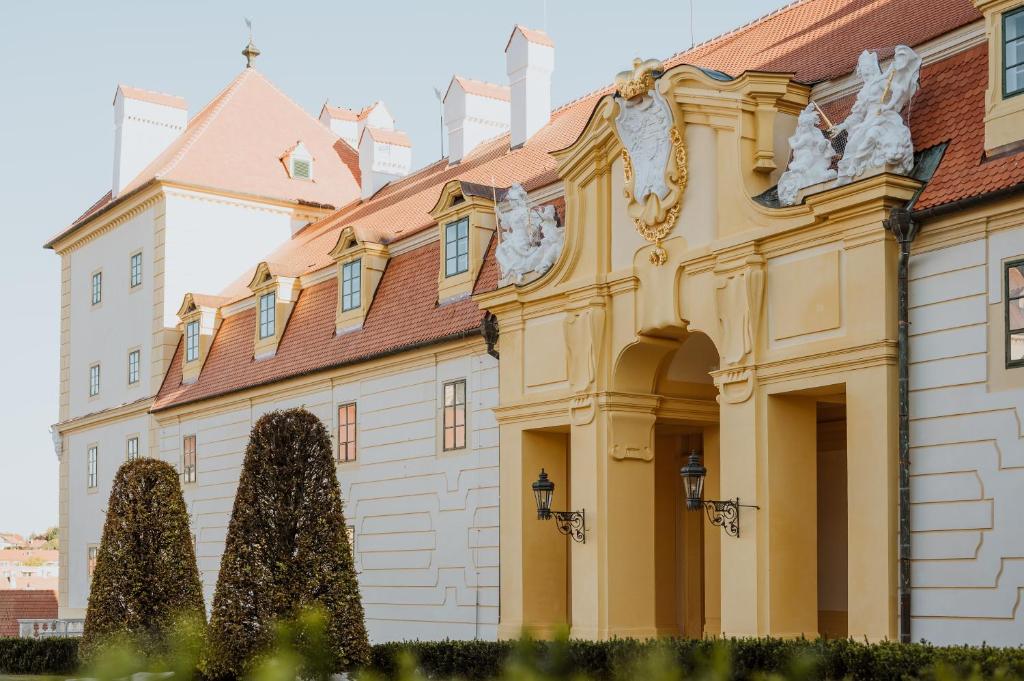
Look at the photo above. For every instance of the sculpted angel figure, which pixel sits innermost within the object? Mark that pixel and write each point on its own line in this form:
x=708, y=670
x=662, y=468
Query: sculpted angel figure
x=812, y=158
x=552, y=239
x=878, y=137
x=531, y=239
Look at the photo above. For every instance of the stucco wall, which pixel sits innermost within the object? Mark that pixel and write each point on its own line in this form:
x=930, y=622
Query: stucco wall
x=967, y=453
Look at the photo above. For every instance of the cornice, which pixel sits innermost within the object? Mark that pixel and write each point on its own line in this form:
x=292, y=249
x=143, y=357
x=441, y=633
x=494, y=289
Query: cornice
x=86, y=421
x=91, y=229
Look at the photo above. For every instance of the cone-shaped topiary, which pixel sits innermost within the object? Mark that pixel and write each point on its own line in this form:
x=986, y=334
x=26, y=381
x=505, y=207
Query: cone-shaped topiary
x=145, y=581
x=287, y=550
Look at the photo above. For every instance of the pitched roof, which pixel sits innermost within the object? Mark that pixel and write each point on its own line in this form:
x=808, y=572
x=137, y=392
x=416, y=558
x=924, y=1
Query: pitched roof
x=483, y=88
x=395, y=137
x=532, y=35
x=18, y=604
x=340, y=112
x=152, y=96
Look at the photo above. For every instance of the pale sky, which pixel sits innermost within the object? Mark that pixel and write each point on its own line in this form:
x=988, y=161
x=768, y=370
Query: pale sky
x=60, y=62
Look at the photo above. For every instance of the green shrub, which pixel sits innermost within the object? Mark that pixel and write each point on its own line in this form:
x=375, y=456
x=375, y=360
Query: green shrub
x=38, y=656
x=146, y=579
x=287, y=550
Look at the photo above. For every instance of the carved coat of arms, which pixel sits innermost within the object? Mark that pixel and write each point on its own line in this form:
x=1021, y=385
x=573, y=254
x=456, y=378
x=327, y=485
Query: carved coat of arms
x=653, y=155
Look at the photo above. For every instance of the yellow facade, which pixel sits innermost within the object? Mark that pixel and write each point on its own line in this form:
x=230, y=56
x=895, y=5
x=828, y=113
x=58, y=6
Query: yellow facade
x=765, y=339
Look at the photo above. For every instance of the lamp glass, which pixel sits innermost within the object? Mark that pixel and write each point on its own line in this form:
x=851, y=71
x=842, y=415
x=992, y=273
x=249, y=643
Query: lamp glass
x=543, y=490
x=693, y=481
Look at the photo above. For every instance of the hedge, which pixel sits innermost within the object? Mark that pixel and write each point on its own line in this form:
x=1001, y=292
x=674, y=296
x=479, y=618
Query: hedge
x=478, y=660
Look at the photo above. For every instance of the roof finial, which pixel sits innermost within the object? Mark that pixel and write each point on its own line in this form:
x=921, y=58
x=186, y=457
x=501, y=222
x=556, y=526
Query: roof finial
x=251, y=51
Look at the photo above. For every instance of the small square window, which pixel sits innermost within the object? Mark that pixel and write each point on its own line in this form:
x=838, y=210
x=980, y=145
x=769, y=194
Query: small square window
x=347, y=432
x=97, y=288
x=351, y=288
x=90, y=560
x=301, y=169
x=135, y=270
x=1013, y=52
x=94, y=380
x=192, y=341
x=92, y=467
x=189, y=472
x=134, y=360
x=455, y=415
x=268, y=314
x=1014, y=313
x=132, y=449
x=456, y=247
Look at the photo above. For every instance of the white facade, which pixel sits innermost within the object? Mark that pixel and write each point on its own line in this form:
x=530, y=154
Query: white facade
x=966, y=448
x=425, y=520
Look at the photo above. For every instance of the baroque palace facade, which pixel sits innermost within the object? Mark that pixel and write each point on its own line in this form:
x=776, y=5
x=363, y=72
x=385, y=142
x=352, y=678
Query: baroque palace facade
x=678, y=273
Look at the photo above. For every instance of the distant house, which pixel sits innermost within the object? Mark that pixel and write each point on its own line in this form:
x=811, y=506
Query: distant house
x=11, y=540
x=29, y=569
x=21, y=604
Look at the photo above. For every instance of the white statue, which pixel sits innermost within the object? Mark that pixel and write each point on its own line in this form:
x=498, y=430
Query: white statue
x=643, y=124
x=812, y=158
x=531, y=239
x=878, y=137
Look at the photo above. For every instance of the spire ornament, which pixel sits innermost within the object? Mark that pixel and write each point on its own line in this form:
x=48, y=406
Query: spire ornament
x=251, y=51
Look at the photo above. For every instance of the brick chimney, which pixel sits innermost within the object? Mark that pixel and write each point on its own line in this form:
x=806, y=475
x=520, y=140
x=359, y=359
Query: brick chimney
x=474, y=111
x=529, y=62
x=145, y=123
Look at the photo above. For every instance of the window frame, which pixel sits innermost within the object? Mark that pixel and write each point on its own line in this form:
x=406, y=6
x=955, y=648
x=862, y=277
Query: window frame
x=1007, y=299
x=135, y=273
x=192, y=341
x=352, y=275
x=347, y=441
x=309, y=168
x=92, y=467
x=96, y=288
x=453, y=228
x=94, y=385
x=92, y=554
x=137, y=355
x=128, y=454
x=455, y=425
x=1002, y=48
x=270, y=322
x=189, y=471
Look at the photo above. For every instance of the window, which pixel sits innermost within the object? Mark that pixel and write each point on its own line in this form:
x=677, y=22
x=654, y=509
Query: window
x=132, y=451
x=192, y=341
x=92, y=465
x=94, y=380
x=456, y=247
x=455, y=415
x=97, y=288
x=189, y=467
x=350, y=530
x=347, y=432
x=134, y=359
x=1013, y=52
x=267, y=314
x=350, y=286
x=135, y=271
x=1015, y=313
x=90, y=561
x=302, y=169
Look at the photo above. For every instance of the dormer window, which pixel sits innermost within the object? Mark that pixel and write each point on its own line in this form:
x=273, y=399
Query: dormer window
x=1013, y=52
x=192, y=341
x=456, y=247
x=300, y=163
x=351, y=289
x=268, y=302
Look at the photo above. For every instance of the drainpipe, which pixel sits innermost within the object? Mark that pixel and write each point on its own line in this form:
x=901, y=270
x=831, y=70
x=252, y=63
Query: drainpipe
x=904, y=228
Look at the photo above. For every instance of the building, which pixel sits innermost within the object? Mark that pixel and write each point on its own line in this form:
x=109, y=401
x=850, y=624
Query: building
x=691, y=320
x=28, y=569
x=22, y=612
x=10, y=540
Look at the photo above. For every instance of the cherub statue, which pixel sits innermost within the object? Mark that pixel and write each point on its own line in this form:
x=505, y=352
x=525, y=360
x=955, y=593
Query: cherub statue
x=812, y=158
x=552, y=240
x=878, y=137
x=515, y=246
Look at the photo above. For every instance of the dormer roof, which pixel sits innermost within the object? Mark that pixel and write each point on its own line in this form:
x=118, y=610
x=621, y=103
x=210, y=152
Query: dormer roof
x=194, y=301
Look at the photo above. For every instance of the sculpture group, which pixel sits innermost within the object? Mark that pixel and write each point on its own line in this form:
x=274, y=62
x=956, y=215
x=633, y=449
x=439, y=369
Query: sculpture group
x=877, y=136
x=530, y=238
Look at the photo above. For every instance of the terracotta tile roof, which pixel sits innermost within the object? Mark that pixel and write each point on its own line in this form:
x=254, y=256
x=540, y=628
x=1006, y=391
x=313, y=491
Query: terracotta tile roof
x=531, y=35
x=21, y=555
x=395, y=137
x=18, y=604
x=340, y=112
x=404, y=314
x=162, y=98
x=483, y=88
x=367, y=110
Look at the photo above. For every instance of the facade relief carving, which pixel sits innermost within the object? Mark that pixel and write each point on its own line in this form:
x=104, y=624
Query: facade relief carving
x=632, y=435
x=653, y=155
x=738, y=301
x=584, y=331
x=530, y=238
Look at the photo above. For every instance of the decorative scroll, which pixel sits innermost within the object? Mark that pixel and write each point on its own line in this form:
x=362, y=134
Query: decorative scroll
x=572, y=524
x=724, y=514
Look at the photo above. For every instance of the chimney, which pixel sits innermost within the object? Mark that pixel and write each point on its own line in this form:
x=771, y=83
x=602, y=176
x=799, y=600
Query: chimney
x=348, y=124
x=145, y=123
x=474, y=111
x=529, y=61
x=384, y=155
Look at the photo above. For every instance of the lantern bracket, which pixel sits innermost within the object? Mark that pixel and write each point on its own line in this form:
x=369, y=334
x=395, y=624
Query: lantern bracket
x=572, y=524
x=726, y=514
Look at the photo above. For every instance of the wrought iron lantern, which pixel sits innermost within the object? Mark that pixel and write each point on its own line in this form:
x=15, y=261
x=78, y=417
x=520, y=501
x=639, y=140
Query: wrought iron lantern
x=569, y=523
x=723, y=513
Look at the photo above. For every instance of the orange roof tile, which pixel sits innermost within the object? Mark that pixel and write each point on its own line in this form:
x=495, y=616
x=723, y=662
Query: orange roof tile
x=483, y=88
x=395, y=137
x=18, y=604
x=531, y=35
x=340, y=112
x=162, y=98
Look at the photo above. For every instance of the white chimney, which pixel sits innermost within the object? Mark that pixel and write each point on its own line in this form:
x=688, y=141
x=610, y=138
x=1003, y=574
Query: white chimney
x=384, y=155
x=474, y=111
x=529, y=62
x=349, y=124
x=145, y=123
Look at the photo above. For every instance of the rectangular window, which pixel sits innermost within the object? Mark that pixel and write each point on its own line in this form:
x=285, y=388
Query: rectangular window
x=90, y=561
x=456, y=247
x=94, y=380
x=97, y=287
x=350, y=530
x=134, y=359
x=1013, y=52
x=132, y=451
x=1015, y=313
x=92, y=467
x=135, y=270
x=350, y=286
x=455, y=415
x=192, y=341
x=188, y=468
x=267, y=314
x=347, y=432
